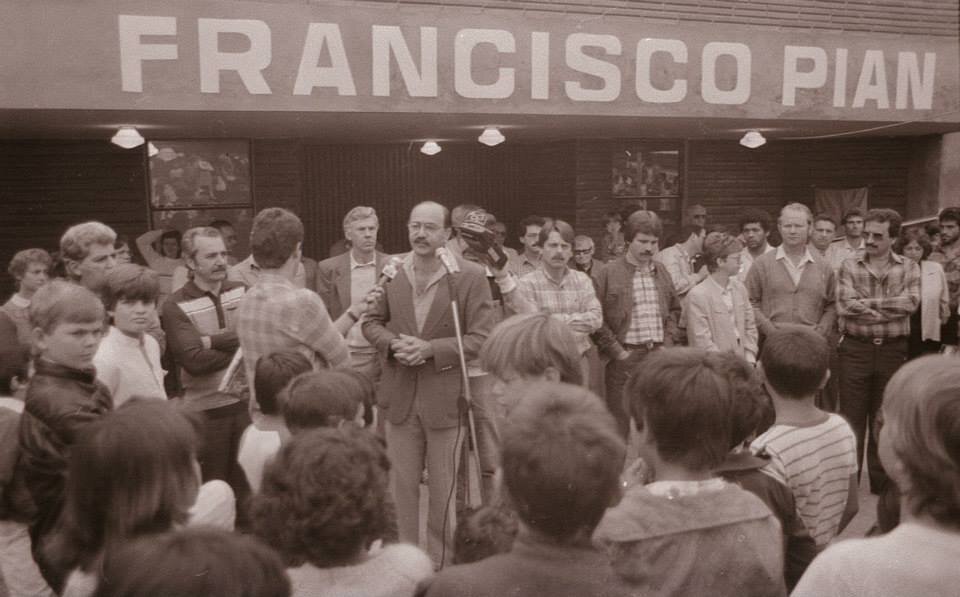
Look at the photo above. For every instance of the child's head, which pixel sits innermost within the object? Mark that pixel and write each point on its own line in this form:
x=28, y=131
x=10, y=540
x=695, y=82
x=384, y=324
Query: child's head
x=273, y=372
x=795, y=361
x=13, y=357
x=68, y=323
x=194, y=561
x=532, y=347
x=682, y=402
x=562, y=456
x=130, y=296
x=484, y=532
x=323, y=497
x=919, y=442
x=323, y=398
x=752, y=411
x=132, y=472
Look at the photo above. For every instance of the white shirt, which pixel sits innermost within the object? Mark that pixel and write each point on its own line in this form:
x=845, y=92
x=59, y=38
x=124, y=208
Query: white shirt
x=130, y=366
x=795, y=271
x=257, y=449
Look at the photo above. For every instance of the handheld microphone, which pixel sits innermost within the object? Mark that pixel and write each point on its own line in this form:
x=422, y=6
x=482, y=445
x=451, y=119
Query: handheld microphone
x=448, y=260
x=389, y=270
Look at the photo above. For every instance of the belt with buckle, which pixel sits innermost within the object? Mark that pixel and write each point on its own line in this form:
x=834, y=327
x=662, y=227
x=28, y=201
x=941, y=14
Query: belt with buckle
x=650, y=345
x=877, y=340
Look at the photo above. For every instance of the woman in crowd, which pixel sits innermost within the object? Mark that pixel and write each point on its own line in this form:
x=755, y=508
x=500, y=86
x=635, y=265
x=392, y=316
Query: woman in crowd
x=133, y=473
x=163, y=260
x=919, y=447
x=934, y=296
x=322, y=505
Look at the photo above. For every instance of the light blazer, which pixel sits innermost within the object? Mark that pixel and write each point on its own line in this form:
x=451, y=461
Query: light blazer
x=708, y=324
x=934, y=300
x=437, y=383
x=333, y=282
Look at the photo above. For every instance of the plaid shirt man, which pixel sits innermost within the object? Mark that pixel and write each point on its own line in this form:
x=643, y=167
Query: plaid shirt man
x=878, y=305
x=572, y=299
x=276, y=316
x=646, y=325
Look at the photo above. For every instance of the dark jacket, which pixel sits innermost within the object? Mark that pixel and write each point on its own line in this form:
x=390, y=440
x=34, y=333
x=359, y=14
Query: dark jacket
x=531, y=569
x=333, y=282
x=722, y=543
x=799, y=547
x=60, y=403
x=614, y=285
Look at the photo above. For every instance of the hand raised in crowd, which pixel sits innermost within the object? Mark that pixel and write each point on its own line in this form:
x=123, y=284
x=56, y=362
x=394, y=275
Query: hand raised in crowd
x=366, y=302
x=410, y=350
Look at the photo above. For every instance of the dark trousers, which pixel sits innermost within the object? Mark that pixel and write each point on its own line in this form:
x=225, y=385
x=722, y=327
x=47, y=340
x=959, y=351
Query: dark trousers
x=865, y=369
x=222, y=429
x=617, y=374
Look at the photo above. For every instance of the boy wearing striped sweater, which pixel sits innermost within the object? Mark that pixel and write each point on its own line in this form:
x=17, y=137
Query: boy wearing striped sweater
x=812, y=452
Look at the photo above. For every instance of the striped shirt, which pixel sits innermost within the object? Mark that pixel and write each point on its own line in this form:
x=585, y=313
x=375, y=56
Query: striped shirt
x=878, y=304
x=277, y=316
x=816, y=463
x=572, y=299
x=646, y=324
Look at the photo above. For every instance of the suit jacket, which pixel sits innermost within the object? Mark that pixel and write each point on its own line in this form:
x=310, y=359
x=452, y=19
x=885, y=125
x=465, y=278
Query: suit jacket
x=436, y=384
x=333, y=282
x=708, y=321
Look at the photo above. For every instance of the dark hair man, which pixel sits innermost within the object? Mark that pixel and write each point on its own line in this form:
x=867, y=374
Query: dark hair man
x=276, y=314
x=949, y=256
x=824, y=231
x=878, y=292
x=413, y=330
x=852, y=244
x=529, y=258
x=755, y=229
x=640, y=307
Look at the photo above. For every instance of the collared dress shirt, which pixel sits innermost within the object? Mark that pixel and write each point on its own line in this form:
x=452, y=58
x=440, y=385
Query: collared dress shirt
x=746, y=260
x=363, y=277
x=646, y=324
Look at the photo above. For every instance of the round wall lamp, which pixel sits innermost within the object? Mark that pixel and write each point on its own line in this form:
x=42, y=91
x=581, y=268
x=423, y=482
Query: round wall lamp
x=127, y=137
x=752, y=139
x=491, y=136
x=431, y=148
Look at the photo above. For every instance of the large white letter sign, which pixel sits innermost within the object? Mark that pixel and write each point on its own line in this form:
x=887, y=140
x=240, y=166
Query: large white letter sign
x=646, y=48
x=794, y=79
x=133, y=51
x=579, y=61
x=337, y=75
x=463, y=82
x=389, y=40
x=248, y=65
x=708, y=76
x=872, y=84
x=908, y=78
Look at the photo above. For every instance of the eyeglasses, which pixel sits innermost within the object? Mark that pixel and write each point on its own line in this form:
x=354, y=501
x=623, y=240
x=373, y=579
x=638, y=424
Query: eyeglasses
x=582, y=251
x=417, y=226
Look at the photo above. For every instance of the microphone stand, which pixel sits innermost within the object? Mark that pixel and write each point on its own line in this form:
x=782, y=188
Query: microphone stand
x=468, y=397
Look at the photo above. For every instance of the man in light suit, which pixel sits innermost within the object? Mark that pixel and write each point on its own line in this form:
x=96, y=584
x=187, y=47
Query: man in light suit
x=345, y=284
x=719, y=314
x=412, y=328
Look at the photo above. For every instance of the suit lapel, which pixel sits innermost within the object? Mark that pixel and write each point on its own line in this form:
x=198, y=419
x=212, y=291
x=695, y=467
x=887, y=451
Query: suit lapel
x=343, y=281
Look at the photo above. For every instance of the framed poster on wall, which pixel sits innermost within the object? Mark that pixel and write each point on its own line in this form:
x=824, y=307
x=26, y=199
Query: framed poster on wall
x=647, y=174
x=200, y=173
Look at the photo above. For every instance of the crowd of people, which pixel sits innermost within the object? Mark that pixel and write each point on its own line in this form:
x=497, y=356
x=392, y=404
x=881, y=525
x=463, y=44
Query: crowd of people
x=646, y=416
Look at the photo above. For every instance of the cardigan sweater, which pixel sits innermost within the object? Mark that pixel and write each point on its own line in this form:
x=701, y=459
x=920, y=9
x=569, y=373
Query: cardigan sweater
x=776, y=299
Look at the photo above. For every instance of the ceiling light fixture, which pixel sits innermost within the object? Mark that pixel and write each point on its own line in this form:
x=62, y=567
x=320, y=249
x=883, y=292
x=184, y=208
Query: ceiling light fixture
x=491, y=136
x=431, y=148
x=752, y=139
x=127, y=137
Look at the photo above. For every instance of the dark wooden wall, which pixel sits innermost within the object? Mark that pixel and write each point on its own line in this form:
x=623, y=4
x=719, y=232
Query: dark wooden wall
x=47, y=186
